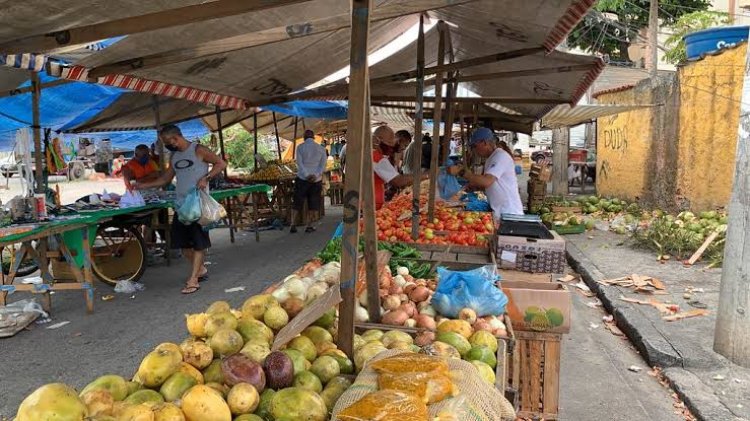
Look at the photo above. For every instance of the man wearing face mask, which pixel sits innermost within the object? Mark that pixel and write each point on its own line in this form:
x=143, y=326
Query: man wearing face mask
x=385, y=146
x=189, y=162
x=140, y=168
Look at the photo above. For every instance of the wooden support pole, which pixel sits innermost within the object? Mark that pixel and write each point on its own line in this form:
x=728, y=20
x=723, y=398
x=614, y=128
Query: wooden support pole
x=560, y=146
x=358, y=135
x=368, y=216
x=19, y=91
x=255, y=138
x=221, y=137
x=522, y=73
x=294, y=141
x=731, y=337
x=276, y=130
x=653, y=38
x=417, y=157
x=437, y=116
x=37, y=132
x=157, y=126
x=136, y=24
x=475, y=100
x=450, y=110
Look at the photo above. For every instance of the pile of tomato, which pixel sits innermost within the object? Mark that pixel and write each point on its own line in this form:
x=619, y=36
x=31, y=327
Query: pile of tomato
x=449, y=226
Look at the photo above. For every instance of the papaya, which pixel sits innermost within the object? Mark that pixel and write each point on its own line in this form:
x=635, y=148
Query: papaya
x=177, y=384
x=167, y=412
x=158, y=365
x=144, y=396
x=114, y=384
x=202, y=403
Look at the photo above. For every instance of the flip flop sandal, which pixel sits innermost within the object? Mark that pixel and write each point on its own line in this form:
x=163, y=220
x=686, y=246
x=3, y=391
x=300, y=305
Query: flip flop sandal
x=309, y=229
x=203, y=278
x=191, y=289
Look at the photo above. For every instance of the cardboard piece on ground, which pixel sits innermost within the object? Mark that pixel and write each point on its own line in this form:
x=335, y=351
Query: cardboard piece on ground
x=514, y=275
x=307, y=316
x=702, y=249
x=536, y=306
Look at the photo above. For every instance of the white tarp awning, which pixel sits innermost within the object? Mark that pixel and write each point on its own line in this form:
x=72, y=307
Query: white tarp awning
x=565, y=115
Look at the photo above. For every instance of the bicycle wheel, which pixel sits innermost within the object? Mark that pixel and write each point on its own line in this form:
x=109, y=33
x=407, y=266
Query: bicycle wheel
x=118, y=254
x=28, y=265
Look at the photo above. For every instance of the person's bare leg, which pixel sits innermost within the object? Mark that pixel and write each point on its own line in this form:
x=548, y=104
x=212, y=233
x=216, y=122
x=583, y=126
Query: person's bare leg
x=312, y=217
x=294, y=221
x=189, y=255
x=195, y=269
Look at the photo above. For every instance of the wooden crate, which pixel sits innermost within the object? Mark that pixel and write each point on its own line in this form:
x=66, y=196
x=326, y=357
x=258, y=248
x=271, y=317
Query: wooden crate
x=535, y=374
x=336, y=193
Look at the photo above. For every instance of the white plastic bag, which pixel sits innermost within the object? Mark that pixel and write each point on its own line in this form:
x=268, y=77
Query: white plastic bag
x=132, y=199
x=129, y=287
x=11, y=312
x=211, y=211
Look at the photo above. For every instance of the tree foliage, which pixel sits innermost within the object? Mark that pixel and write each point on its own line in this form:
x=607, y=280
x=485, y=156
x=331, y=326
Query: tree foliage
x=687, y=24
x=613, y=25
x=239, y=147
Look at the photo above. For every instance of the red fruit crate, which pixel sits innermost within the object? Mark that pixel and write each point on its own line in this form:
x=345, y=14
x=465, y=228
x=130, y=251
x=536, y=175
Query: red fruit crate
x=578, y=155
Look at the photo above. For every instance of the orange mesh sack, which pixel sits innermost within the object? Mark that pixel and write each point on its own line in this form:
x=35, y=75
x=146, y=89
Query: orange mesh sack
x=430, y=387
x=411, y=363
x=385, y=405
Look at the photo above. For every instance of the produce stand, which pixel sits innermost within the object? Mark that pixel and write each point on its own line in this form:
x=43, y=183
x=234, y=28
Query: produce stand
x=242, y=205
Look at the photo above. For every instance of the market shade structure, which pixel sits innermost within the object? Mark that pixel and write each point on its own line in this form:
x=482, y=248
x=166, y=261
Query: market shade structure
x=276, y=69
x=566, y=116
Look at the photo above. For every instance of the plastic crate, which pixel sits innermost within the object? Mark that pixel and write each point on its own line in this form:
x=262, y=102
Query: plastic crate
x=578, y=155
x=568, y=229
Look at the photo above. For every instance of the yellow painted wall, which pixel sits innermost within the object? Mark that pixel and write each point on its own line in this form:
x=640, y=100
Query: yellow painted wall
x=623, y=146
x=710, y=91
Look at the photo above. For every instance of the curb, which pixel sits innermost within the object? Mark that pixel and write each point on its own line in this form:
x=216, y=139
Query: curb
x=650, y=343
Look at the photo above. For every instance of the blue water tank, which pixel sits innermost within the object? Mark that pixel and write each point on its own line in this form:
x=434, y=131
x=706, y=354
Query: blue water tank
x=708, y=40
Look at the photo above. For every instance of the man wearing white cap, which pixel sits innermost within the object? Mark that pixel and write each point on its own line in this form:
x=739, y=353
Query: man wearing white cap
x=499, y=180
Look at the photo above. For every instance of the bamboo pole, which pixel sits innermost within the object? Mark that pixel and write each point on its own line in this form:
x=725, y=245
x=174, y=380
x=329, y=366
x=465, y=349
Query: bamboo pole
x=437, y=115
x=450, y=109
x=276, y=130
x=418, y=132
x=356, y=123
x=36, y=126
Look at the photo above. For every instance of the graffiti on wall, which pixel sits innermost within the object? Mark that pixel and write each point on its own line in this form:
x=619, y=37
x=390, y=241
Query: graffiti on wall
x=616, y=138
x=604, y=169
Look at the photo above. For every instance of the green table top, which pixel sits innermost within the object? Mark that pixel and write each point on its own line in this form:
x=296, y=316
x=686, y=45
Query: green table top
x=94, y=217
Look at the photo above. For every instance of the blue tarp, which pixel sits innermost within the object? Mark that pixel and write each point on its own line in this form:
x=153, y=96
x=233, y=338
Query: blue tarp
x=192, y=130
x=330, y=110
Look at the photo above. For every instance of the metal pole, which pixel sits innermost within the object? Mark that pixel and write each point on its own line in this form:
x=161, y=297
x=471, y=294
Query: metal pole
x=221, y=137
x=418, y=132
x=36, y=93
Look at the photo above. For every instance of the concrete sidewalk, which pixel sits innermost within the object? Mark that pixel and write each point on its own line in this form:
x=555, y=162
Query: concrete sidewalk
x=711, y=386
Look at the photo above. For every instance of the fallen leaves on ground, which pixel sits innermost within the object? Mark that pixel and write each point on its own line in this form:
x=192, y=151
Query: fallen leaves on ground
x=686, y=315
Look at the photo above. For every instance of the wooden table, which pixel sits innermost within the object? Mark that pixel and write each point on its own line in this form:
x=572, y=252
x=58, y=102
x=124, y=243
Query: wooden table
x=41, y=253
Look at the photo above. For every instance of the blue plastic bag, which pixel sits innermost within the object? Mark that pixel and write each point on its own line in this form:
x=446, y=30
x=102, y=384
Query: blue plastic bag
x=449, y=184
x=189, y=210
x=474, y=289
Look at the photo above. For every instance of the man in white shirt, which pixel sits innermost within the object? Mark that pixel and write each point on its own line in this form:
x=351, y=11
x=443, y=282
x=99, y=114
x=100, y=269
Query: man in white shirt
x=499, y=180
x=311, y=163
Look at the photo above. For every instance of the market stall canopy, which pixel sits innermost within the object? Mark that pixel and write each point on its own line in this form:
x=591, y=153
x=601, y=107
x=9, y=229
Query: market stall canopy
x=281, y=49
x=565, y=115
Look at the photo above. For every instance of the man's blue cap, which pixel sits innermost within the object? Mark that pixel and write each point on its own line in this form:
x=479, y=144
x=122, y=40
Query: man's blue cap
x=480, y=135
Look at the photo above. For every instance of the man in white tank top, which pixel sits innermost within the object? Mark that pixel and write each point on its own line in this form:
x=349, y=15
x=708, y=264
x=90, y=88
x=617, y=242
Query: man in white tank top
x=189, y=162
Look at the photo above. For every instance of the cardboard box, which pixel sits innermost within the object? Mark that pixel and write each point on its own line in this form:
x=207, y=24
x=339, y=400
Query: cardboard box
x=531, y=254
x=514, y=275
x=541, y=172
x=537, y=306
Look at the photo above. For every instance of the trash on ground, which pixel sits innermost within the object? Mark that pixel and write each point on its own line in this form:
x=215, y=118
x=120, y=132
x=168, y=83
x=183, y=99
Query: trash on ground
x=594, y=304
x=608, y=318
x=635, y=369
x=664, y=308
x=58, y=325
x=129, y=287
x=697, y=304
x=640, y=283
x=108, y=297
x=567, y=278
x=612, y=328
x=33, y=280
x=235, y=289
x=686, y=315
x=718, y=377
x=593, y=326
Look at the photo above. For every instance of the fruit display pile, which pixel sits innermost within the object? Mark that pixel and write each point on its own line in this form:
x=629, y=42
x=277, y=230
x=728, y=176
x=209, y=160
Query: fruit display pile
x=274, y=170
x=449, y=226
x=224, y=371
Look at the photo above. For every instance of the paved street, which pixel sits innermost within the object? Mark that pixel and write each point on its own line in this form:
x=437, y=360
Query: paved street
x=595, y=384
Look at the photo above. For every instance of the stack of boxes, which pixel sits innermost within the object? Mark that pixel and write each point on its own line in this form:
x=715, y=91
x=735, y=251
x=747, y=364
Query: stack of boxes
x=536, y=188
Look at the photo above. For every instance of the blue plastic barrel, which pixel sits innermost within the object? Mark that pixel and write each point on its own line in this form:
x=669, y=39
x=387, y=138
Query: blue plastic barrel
x=708, y=40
